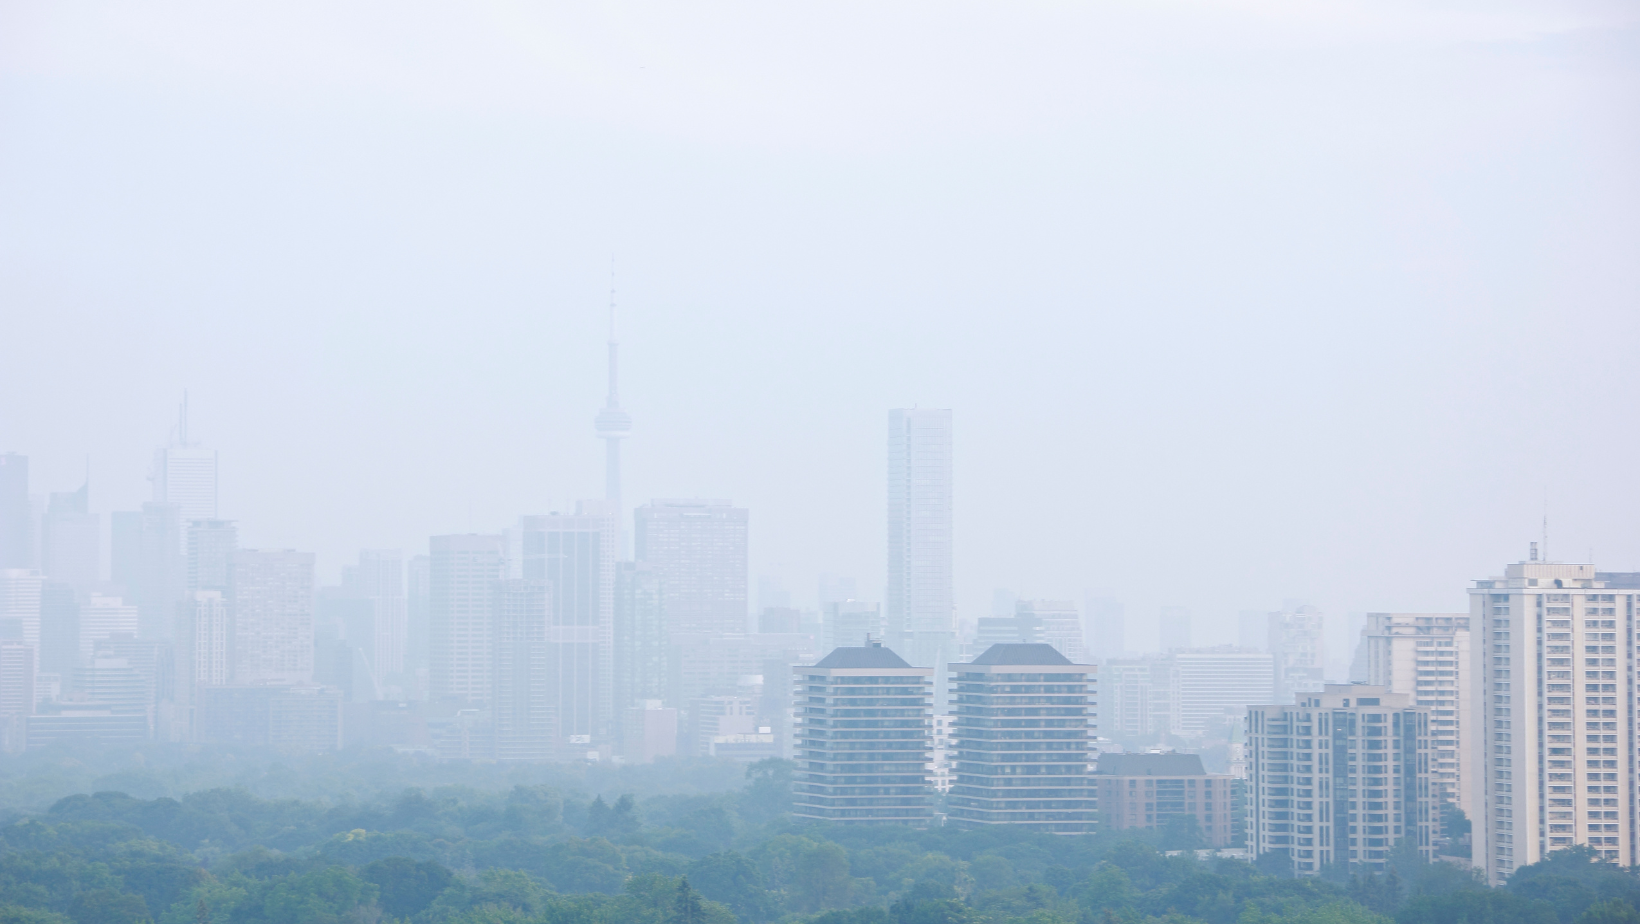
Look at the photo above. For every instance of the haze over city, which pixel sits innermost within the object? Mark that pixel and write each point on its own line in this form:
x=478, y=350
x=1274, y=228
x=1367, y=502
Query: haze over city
x=836, y=463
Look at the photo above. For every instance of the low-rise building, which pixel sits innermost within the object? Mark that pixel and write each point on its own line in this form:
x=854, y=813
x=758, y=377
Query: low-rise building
x=1150, y=790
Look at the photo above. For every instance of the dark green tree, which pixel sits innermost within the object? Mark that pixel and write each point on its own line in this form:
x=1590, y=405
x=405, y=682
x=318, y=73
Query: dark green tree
x=405, y=885
x=106, y=906
x=686, y=907
x=1611, y=911
x=734, y=880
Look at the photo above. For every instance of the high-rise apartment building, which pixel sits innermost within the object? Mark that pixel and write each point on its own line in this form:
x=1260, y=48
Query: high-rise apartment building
x=1138, y=697
x=1339, y=777
x=70, y=538
x=575, y=555
x=462, y=573
x=1550, y=734
x=521, y=679
x=203, y=641
x=1025, y=720
x=271, y=606
x=863, y=739
x=920, y=606
x=698, y=549
x=1297, y=643
x=16, y=519
x=1426, y=656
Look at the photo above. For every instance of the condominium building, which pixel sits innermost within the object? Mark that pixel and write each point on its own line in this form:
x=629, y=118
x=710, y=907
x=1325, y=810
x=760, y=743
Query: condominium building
x=1425, y=656
x=1023, y=740
x=1149, y=790
x=1551, y=733
x=381, y=581
x=521, y=675
x=1340, y=776
x=863, y=739
x=1296, y=640
x=1138, y=697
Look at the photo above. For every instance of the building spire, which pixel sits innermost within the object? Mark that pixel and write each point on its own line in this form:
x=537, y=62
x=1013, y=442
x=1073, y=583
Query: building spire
x=612, y=424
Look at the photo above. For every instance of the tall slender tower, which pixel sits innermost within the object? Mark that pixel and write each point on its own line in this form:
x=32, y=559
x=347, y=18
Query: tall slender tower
x=920, y=608
x=613, y=424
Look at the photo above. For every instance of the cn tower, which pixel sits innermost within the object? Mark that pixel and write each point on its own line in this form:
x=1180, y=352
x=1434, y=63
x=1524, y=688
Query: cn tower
x=612, y=424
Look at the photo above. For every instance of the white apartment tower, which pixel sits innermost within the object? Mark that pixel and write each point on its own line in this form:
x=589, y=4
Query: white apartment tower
x=920, y=608
x=1426, y=656
x=1552, y=719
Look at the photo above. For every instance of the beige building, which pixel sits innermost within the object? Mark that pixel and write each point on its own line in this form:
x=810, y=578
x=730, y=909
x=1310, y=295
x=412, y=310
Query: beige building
x=1552, y=715
x=1425, y=656
x=1149, y=790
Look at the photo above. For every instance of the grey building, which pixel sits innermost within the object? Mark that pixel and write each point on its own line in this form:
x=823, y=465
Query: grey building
x=575, y=556
x=1023, y=739
x=864, y=739
x=699, y=552
x=521, y=675
x=461, y=580
x=271, y=608
x=642, y=649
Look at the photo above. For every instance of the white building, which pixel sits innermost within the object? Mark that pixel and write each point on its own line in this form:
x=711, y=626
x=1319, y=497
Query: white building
x=1425, y=656
x=185, y=474
x=462, y=573
x=919, y=608
x=207, y=640
x=272, y=611
x=1216, y=685
x=698, y=549
x=1339, y=776
x=1056, y=623
x=381, y=580
x=20, y=600
x=1553, y=716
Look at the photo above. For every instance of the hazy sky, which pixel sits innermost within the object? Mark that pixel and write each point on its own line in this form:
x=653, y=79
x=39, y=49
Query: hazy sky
x=1233, y=302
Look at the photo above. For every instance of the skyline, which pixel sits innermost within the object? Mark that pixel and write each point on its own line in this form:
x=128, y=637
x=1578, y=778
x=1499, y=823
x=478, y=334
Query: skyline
x=1229, y=308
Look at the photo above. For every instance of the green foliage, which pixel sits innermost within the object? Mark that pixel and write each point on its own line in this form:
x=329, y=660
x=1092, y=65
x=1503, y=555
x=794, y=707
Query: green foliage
x=405, y=886
x=1493, y=906
x=1611, y=911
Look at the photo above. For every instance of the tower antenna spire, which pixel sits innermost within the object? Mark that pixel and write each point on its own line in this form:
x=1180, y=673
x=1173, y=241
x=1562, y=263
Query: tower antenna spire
x=613, y=424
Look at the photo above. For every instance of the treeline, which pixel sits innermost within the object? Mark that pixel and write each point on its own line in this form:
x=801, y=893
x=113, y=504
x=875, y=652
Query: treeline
x=537, y=854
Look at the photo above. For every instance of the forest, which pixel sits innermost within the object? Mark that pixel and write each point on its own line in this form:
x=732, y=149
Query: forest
x=188, y=837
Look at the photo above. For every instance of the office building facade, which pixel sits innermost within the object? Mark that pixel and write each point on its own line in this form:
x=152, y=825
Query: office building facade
x=271, y=606
x=462, y=573
x=575, y=555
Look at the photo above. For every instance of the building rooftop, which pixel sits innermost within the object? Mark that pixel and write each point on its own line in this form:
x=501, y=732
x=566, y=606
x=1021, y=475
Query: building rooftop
x=1021, y=654
x=873, y=655
x=1150, y=765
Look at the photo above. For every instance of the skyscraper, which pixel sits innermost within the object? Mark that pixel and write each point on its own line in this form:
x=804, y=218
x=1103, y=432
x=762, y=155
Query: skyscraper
x=16, y=541
x=1551, y=742
x=521, y=673
x=272, y=612
x=575, y=556
x=185, y=473
x=641, y=648
x=461, y=580
x=1216, y=685
x=210, y=549
x=1106, y=626
x=146, y=559
x=20, y=591
x=70, y=538
x=920, y=601
x=698, y=549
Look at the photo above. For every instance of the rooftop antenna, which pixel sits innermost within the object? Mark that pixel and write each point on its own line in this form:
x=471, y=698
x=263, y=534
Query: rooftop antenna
x=1545, y=525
